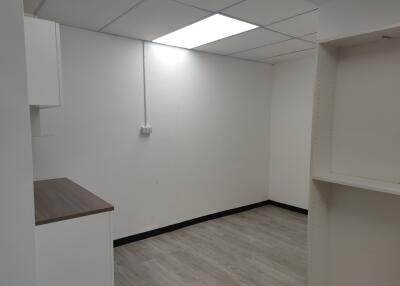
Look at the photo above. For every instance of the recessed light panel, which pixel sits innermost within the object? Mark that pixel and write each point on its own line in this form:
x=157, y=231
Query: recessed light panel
x=205, y=31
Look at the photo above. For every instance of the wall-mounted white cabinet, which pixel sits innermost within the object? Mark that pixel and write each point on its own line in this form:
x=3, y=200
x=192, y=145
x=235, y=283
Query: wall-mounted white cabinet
x=43, y=61
x=355, y=188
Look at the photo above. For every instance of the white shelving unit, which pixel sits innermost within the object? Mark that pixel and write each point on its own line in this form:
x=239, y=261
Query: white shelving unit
x=355, y=188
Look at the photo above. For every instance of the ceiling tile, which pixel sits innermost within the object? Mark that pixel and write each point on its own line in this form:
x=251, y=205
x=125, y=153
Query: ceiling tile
x=31, y=5
x=211, y=5
x=320, y=2
x=275, y=50
x=287, y=57
x=265, y=12
x=311, y=37
x=252, y=39
x=89, y=14
x=299, y=25
x=154, y=18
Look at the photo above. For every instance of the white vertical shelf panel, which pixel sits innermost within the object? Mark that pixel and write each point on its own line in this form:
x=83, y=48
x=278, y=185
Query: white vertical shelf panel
x=323, y=108
x=318, y=233
x=321, y=160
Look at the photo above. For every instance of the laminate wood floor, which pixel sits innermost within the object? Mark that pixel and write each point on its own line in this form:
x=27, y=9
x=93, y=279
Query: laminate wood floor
x=261, y=247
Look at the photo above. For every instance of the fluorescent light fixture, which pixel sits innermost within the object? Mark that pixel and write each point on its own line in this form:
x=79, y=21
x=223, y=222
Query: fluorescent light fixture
x=208, y=30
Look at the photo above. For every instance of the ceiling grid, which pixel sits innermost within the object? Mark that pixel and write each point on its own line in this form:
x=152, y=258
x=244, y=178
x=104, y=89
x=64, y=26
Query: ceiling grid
x=286, y=27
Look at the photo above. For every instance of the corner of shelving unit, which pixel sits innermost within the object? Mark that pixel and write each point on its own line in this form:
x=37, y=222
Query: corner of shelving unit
x=352, y=172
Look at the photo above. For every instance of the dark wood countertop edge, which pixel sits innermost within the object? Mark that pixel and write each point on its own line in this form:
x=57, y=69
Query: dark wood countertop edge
x=106, y=207
x=68, y=217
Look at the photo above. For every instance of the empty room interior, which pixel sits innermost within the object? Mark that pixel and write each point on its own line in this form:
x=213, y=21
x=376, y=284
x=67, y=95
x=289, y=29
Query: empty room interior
x=199, y=142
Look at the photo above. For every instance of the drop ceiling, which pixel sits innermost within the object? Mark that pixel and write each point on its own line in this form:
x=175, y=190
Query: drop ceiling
x=287, y=27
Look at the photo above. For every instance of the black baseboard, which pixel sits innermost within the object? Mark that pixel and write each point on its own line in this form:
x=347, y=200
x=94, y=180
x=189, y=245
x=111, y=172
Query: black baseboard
x=169, y=228
x=173, y=227
x=289, y=207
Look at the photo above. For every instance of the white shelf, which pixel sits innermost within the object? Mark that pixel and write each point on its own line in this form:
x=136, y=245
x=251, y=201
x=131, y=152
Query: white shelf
x=358, y=182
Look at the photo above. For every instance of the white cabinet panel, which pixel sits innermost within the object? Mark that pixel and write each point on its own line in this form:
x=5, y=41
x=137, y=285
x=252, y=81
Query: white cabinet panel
x=43, y=61
x=75, y=252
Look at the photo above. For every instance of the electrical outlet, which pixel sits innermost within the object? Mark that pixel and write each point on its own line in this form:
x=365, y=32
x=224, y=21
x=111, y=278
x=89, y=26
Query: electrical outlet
x=146, y=130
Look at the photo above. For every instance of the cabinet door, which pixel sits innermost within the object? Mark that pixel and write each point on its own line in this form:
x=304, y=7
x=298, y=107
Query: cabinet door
x=43, y=62
x=75, y=252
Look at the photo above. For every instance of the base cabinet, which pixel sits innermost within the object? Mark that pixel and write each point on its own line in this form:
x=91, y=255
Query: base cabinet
x=75, y=252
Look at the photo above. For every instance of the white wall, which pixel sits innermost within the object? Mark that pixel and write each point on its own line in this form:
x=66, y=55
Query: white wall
x=209, y=147
x=17, y=261
x=291, y=116
x=339, y=18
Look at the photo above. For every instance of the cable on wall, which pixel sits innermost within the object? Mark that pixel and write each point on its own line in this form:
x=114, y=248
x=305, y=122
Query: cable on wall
x=145, y=129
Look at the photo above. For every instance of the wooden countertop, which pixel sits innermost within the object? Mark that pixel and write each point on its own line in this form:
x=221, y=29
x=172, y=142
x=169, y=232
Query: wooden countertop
x=62, y=199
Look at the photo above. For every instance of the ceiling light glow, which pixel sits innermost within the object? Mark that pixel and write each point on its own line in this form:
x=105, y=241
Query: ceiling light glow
x=208, y=30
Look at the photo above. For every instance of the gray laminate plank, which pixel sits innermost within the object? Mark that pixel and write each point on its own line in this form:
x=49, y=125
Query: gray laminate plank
x=262, y=247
